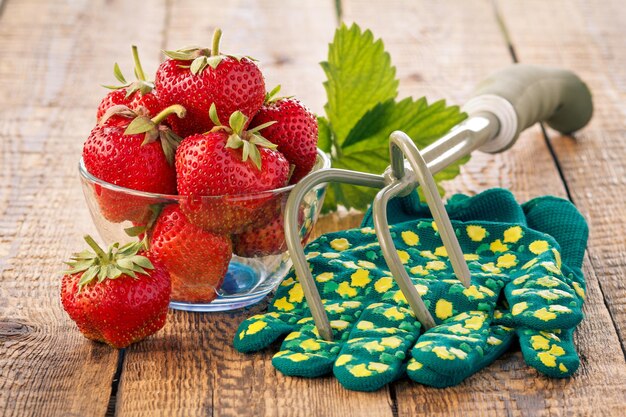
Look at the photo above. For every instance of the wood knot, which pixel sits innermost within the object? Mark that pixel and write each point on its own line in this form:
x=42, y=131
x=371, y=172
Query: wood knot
x=13, y=328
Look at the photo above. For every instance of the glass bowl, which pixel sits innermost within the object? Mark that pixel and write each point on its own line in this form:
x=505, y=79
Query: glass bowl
x=259, y=261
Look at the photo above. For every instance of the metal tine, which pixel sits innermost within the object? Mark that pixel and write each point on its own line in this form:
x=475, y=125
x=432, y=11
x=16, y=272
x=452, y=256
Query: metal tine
x=292, y=235
x=396, y=267
x=401, y=146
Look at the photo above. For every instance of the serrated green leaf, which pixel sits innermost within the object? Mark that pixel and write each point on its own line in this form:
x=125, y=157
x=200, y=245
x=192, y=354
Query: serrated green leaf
x=367, y=146
x=359, y=76
x=324, y=134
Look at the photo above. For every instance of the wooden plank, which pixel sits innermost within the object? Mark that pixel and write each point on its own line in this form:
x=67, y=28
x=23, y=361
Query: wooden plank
x=441, y=49
x=588, y=37
x=191, y=368
x=52, y=58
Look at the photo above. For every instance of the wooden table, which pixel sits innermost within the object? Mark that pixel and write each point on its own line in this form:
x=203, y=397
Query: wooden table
x=53, y=56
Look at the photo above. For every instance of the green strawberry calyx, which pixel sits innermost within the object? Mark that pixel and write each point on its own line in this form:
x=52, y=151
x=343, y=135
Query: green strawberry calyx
x=152, y=127
x=248, y=140
x=273, y=97
x=203, y=57
x=112, y=264
x=141, y=84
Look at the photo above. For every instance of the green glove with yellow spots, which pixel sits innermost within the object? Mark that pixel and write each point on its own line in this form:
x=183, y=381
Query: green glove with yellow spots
x=376, y=336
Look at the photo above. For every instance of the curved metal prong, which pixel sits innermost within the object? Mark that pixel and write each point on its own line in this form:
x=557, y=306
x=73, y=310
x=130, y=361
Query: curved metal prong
x=400, y=147
x=388, y=248
x=292, y=235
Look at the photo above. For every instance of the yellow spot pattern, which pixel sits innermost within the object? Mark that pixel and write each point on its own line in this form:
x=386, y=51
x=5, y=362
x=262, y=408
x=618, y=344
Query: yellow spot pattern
x=343, y=359
x=547, y=359
x=310, y=344
x=436, y=265
x=365, y=325
x=441, y=251
x=443, y=353
x=508, y=260
x=491, y=268
x=497, y=246
x=472, y=292
x=544, y=314
x=443, y=309
x=256, y=327
x=340, y=244
x=325, y=277
x=296, y=294
x=345, y=290
x=538, y=247
x=383, y=284
x=360, y=278
x=539, y=342
x=366, y=264
x=562, y=368
x=519, y=308
x=471, y=257
x=394, y=313
x=298, y=357
x=331, y=255
x=414, y=365
x=404, y=256
x=410, y=238
x=418, y=270
x=513, y=234
x=476, y=233
x=475, y=322
x=360, y=371
x=283, y=304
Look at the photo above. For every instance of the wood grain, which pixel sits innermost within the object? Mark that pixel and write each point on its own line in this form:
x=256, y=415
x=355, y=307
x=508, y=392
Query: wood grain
x=589, y=39
x=53, y=56
x=191, y=368
x=444, y=48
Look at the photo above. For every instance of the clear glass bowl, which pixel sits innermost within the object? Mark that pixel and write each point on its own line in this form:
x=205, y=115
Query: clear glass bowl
x=252, y=274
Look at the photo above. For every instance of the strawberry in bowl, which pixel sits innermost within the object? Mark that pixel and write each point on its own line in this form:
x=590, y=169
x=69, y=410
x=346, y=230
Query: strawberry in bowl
x=198, y=166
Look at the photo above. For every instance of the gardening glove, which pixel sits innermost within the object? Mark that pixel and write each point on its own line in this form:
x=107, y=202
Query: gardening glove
x=370, y=349
x=545, y=303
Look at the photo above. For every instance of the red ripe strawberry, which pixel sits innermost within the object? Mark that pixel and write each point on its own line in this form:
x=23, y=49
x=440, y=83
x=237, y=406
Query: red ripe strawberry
x=295, y=132
x=134, y=95
x=197, y=78
x=196, y=260
x=117, y=297
x=231, y=163
x=130, y=150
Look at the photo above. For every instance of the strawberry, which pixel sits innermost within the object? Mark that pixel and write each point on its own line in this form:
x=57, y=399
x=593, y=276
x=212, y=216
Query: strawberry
x=229, y=164
x=128, y=149
x=266, y=239
x=196, y=259
x=199, y=77
x=134, y=95
x=295, y=131
x=117, y=297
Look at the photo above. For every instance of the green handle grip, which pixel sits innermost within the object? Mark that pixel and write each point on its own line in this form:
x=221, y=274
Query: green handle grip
x=541, y=94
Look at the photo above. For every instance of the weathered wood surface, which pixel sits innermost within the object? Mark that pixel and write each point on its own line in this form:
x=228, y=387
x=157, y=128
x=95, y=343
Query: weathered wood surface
x=52, y=56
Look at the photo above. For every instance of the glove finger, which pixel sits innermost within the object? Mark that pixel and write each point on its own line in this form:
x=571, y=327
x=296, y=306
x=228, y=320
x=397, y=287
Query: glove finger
x=552, y=353
x=453, y=346
x=560, y=219
x=305, y=353
x=376, y=348
x=261, y=330
x=542, y=298
x=497, y=342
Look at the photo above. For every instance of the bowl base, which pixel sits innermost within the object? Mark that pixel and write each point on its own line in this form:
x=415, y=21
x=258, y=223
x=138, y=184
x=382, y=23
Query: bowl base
x=219, y=304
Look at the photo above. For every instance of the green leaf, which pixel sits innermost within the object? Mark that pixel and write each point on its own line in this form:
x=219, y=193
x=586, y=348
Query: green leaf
x=359, y=76
x=367, y=146
x=118, y=74
x=324, y=135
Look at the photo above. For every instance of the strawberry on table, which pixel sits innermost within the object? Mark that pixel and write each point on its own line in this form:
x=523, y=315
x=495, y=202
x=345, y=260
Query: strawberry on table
x=196, y=259
x=199, y=77
x=229, y=164
x=136, y=94
x=117, y=297
x=295, y=131
x=129, y=149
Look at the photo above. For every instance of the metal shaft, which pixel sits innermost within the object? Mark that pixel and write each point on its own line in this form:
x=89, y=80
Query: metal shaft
x=458, y=143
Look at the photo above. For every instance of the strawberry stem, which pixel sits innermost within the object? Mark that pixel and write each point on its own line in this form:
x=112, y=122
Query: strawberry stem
x=175, y=108
x=96, y=248
x=215, y=46
x=138, y=68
